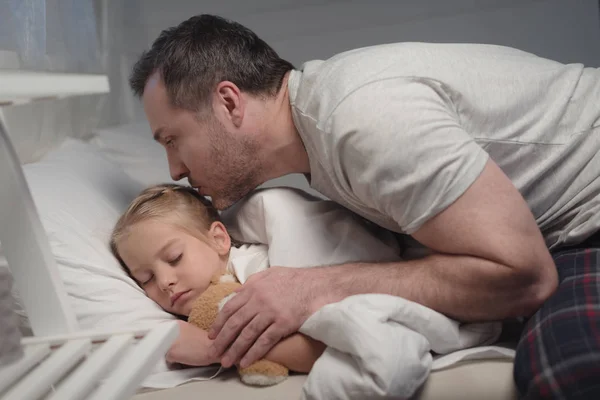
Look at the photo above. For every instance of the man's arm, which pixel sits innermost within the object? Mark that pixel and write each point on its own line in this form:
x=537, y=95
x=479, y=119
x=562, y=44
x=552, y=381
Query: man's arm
x=482, y=290
x=492, y=263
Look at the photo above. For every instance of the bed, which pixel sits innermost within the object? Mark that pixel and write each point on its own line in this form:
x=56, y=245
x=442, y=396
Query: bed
x=104, y=170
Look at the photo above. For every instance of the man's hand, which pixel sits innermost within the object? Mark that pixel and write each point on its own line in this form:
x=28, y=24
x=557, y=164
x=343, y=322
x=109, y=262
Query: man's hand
x=191, y=347
x=270, y=306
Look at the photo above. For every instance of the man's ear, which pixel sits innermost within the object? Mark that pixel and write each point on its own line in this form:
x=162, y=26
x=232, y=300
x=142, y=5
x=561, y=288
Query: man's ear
x=228, y=103
x=220, y=238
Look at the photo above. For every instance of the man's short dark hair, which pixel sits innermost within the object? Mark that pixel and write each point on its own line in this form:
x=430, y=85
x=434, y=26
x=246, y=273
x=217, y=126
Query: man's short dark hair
x=193, y=57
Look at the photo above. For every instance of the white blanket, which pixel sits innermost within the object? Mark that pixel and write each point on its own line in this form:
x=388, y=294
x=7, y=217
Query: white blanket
x=379, y=347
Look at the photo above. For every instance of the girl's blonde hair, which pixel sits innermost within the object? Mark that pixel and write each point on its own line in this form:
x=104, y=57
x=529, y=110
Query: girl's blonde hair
x=181, y=205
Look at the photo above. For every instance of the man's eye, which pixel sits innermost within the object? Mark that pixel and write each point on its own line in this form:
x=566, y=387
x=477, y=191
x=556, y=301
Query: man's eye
x=169, y=142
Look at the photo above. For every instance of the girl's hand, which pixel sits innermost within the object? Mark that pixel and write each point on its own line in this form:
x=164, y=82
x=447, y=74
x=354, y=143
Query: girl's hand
x=191, y=347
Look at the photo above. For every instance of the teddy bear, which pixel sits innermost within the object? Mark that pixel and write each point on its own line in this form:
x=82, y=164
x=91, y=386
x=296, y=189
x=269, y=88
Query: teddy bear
x=203, y=314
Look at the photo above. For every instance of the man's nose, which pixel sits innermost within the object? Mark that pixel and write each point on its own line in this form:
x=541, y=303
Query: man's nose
x=177, y=169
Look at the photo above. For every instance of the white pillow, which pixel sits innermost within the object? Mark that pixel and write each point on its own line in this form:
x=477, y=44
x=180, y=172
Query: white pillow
x=80, y=195
x=132, y=147
x=302, y=230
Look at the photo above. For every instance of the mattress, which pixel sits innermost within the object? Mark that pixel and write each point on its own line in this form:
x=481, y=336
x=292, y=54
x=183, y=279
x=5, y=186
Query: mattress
x=473, y=380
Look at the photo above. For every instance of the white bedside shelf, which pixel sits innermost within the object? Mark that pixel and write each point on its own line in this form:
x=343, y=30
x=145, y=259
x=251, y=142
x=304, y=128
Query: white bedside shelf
x=18, y=86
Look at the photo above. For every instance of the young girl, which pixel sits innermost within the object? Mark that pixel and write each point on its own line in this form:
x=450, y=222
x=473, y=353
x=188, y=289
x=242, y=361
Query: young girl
x=171, y=242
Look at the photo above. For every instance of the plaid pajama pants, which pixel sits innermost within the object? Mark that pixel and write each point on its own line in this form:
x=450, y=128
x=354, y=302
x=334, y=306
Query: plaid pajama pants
x=558, y=355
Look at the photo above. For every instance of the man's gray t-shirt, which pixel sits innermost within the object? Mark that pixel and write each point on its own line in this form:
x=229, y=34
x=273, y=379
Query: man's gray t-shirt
x=398, y=132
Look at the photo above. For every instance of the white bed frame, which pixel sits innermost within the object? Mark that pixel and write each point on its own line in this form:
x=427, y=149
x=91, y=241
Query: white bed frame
x=59, y=361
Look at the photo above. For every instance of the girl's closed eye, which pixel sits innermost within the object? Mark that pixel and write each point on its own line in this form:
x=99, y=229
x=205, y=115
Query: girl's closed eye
x=147, y=280
x=174, y=261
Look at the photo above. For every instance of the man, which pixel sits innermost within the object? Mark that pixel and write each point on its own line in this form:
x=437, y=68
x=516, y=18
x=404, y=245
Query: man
x=486, y=155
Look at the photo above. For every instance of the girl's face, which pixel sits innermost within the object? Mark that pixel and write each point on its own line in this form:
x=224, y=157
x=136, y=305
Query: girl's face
x=171, y=265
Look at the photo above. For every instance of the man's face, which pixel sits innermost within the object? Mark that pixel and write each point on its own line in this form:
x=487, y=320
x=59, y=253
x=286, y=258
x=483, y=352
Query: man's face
x=220, y=164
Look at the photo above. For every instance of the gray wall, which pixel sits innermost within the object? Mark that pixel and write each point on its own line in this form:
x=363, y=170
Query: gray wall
x=565, y=30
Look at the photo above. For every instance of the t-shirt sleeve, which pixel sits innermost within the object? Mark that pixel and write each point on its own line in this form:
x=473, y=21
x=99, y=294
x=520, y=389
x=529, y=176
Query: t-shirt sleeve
x=398, y=146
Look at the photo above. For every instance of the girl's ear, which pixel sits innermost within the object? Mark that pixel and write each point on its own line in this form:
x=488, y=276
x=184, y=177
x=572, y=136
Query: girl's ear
x=220, y=237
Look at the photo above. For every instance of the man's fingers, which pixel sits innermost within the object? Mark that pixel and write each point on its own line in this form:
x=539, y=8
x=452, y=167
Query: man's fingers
x=244, y=341
x=261, y=346
x=231, y=307
x=231, y=329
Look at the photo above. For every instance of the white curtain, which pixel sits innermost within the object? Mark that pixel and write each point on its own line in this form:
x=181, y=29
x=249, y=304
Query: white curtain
x=54, y=36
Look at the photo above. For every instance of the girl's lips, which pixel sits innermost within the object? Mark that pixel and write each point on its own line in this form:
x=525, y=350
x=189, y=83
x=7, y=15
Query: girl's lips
x=177, y=296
